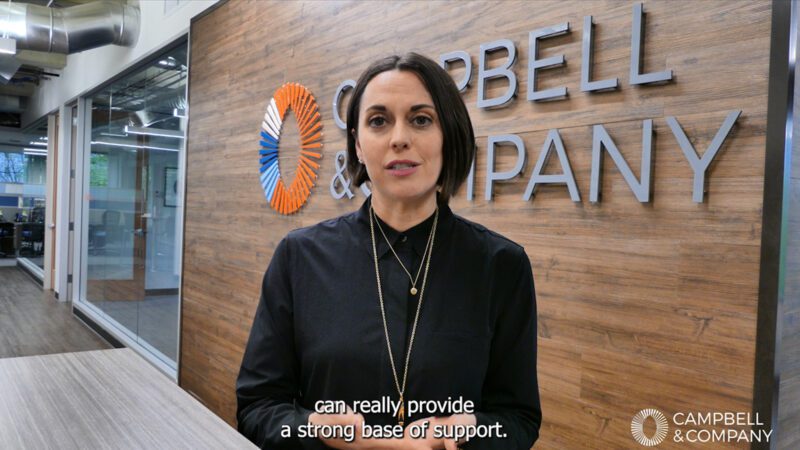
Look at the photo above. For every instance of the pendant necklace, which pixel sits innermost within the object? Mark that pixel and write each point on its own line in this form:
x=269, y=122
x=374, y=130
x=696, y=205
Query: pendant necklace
x=401, y=387
x=427, y=246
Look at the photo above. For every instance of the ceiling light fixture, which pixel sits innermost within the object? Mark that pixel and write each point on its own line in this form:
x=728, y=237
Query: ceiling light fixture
x=150, y=147
x=119, y=135
x=154, y=132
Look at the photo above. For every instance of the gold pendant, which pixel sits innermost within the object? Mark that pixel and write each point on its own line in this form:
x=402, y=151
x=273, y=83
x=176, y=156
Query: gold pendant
x=413, y=291
x=401, y=413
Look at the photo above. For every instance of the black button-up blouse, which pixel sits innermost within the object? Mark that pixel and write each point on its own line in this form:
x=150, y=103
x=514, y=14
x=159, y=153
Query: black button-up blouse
x=318, y=332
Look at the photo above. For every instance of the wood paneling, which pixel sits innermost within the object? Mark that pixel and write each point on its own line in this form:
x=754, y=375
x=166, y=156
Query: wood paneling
x=640, y=305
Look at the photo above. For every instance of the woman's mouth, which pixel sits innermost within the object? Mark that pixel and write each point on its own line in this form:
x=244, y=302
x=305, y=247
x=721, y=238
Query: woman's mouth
x=402, y=168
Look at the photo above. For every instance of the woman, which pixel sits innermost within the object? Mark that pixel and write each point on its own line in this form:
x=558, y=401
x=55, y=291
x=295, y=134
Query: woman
x=400, y=299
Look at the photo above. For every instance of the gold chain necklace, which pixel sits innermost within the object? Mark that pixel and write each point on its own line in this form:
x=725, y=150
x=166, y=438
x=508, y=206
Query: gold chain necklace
x=427, y=246
x=401, y=388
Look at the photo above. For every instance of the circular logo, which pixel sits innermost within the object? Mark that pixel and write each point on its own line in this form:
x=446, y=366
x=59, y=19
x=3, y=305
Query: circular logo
x=637, y=427
x=282, y=198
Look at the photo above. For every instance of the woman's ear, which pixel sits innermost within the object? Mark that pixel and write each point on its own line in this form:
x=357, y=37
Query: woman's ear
x=358, y=146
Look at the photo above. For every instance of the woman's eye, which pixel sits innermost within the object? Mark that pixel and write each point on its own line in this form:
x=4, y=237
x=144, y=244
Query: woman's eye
x=422, y=121
x=376, y=121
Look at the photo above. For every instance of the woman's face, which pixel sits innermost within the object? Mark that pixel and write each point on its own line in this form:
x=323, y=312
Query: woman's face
x=399, y=138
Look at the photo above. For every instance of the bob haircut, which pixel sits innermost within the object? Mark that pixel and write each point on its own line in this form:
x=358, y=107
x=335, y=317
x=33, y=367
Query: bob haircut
x=458, y=143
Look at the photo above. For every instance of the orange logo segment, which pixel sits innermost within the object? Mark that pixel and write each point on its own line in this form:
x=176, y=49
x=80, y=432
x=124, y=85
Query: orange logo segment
x=282, y=198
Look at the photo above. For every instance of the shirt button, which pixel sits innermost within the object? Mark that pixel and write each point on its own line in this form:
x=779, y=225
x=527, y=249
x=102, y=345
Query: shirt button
x=403, y=238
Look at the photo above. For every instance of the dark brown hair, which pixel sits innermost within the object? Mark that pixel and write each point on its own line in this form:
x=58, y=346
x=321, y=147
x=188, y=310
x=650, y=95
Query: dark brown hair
x=458, y=143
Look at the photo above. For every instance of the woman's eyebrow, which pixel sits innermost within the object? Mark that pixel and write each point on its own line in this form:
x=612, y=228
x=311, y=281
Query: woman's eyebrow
x=414, y=108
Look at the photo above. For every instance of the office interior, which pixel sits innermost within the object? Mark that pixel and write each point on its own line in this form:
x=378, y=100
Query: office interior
x=94, y=183
x=92, y=143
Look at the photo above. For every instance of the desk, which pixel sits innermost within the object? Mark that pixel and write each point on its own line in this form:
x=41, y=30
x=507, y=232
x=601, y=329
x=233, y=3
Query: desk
x=102, y=399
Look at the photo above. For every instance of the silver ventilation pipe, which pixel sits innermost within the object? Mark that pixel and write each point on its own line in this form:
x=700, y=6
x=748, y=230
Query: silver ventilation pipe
x=70, y=30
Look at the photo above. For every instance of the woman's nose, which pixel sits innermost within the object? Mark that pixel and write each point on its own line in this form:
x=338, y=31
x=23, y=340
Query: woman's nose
x=401, y=139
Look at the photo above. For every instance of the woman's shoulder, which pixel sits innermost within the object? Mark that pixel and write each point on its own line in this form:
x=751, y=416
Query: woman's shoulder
x=325, y=232
x=480, y=238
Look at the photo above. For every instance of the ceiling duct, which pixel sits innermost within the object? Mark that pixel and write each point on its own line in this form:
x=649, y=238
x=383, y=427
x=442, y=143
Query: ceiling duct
x=70, y=30
x=12, y=103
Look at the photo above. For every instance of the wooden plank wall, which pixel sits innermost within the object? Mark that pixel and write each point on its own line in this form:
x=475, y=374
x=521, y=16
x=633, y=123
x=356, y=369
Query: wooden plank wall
x=640, y=305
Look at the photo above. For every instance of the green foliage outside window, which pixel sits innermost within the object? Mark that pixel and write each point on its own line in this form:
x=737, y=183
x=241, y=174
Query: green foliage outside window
x=99, y=170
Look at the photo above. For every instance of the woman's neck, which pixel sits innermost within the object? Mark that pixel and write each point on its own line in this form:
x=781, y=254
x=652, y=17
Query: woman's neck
x=403, y=215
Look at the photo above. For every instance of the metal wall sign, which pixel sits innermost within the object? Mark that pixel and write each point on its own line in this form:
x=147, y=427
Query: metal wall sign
x=602, y=142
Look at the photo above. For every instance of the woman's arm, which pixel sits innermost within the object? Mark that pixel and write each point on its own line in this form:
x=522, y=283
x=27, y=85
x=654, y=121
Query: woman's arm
x=268, y=385
x=510, y=393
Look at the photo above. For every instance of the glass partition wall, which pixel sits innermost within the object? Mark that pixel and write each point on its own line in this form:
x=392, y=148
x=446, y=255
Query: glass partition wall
x=23, y=179
x=132, y=204
x=32, y=236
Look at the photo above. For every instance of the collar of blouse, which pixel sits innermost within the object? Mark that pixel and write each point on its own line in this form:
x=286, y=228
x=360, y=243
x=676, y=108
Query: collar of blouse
x=417, y=235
